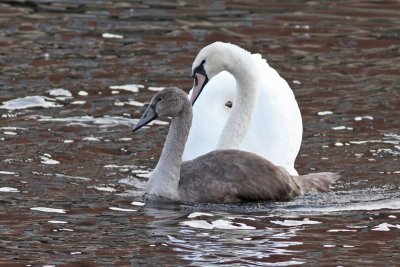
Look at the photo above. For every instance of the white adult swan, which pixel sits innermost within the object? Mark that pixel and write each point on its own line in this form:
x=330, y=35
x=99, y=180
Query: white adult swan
x=264, y=119
x=221, y=175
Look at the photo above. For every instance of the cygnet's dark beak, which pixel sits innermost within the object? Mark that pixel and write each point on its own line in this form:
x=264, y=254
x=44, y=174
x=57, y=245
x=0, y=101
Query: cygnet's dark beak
x=148, y=116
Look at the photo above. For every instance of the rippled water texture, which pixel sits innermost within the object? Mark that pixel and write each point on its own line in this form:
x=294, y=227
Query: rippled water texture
x=76, y=74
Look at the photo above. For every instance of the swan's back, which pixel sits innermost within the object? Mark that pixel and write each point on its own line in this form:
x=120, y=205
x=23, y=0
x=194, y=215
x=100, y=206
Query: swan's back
x=233, y=176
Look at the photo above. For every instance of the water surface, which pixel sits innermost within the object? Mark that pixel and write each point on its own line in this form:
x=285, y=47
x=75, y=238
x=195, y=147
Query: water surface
x=75, y=76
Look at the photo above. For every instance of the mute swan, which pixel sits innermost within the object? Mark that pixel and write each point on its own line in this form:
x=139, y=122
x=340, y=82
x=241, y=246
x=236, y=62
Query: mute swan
x=265, y=118
x=221, y=175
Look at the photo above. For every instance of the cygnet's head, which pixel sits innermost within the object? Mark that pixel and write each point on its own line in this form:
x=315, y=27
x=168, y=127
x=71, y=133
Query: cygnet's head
x=169, y=102
x=210, y=61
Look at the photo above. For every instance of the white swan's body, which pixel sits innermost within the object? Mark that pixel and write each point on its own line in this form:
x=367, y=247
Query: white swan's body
x=275, y=128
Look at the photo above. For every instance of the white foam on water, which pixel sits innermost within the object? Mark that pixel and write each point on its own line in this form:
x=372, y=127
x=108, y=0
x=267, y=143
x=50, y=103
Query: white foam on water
x=9, y=190
x=51, y=210
x=12, y=128
x=8, y=173
x=198, y=214
x=385, y=227
x=125, y=139
x=369, y=199
x=72, y=177
x=91, y=138
x=156, y=89
x=337, y=128
x=112, y=36
x=57, y=222
x=217, y=224
x=78, y=102
x=305, y=221
x=120, y=209
x=106, y=121
x=392, y=136
x=83, y=93
x=129, y=103
x=376, y=205
x=304, y=27
x=224, y=224
x=30, y=102
x=341, y=230
x=9, y=133
x=175, y=240
x=137, y=203
x=111, y=166
x=47, y=160
x=387, y=151
x=324, y=113
x=393, y=142
x=60, y=93
x=104, y=189
x=134, y=88
x=286, y=263
x=360, y=118
x=199, y=224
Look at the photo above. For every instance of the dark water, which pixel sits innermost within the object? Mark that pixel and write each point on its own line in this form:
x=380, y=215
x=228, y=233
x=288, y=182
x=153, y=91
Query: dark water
x=71, y=150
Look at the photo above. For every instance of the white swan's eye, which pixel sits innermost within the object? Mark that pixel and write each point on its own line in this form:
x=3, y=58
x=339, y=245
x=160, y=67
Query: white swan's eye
x=229, y=104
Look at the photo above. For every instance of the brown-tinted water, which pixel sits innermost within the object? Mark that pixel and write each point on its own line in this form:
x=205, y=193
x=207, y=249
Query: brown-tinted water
x=71, y=173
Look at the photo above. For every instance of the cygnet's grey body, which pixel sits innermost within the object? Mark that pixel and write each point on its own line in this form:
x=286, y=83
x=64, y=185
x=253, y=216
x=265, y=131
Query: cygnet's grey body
x=220, y=176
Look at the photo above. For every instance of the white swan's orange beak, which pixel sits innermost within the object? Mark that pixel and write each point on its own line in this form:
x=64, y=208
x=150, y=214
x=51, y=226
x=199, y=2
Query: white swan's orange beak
x=200, y=81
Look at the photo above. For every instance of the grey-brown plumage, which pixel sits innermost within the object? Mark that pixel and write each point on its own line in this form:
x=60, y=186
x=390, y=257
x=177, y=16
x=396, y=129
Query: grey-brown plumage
x=221, y=176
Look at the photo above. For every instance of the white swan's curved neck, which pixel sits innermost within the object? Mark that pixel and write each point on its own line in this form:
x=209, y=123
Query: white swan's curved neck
x=164, y=180
x=245, y=102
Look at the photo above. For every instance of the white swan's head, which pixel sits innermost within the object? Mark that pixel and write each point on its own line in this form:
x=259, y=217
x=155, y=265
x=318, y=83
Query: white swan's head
x=212, y=60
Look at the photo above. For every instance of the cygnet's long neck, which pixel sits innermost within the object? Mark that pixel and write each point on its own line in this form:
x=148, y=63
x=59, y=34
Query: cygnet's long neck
x=164, y=180
x=244, y=69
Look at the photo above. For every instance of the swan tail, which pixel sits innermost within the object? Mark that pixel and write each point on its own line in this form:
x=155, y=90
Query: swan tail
x=316, y=182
